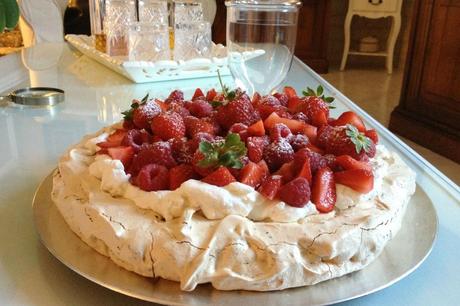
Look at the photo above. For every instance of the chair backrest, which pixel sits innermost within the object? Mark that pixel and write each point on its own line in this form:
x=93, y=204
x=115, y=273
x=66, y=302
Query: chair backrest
x=41, y=21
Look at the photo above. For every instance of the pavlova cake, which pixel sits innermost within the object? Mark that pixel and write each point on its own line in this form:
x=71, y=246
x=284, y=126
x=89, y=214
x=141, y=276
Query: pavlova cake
x=259, y=194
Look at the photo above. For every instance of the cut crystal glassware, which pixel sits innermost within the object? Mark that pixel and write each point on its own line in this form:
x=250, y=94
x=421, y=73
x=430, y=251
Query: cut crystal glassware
x=148, y=42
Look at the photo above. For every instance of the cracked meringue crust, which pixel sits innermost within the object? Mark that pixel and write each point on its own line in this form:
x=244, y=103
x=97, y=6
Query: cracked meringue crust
x=231, y=237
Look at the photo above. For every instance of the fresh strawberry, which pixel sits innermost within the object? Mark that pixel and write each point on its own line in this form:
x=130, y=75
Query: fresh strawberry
x=257, y=129
x=162, y=105
x=359, y=180
x=180, y=174
x=135, y=138
x=299, y=116
x=240, y=129
x=199, y=137
x=294, y=104
x=310, y=131
x=277, y=153
x=294, y=125
x=256, y=98
x=198, y=94
x=280, y=131
x=201, y=170
x=349, y=163
x=199, y=108
x=143, y=115
x=290, y=91
x=252, y=174
x=305, y=170
x=153, y=177
x=113, y=140
x=265, y=110
x=287, y=172
x=175, y=95
x=372, y=134
x=299, y=141
x=323, y=193
x=239, y=110
x=269, y=188
x=211, y=94
x=270, y=100
x=194, y=126
x=316, y=160
x=123, y=154
x=316, y=109
x=168, y=125
x=314, y=148
x=155, y=153
x=220, y=177
x=350, y=118
x=283, y=98
x=256, y=147
x=296, y=193
x=345, y=140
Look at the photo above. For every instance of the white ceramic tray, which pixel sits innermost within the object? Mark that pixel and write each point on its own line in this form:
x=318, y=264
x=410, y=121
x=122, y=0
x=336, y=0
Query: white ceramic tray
x=145, y=72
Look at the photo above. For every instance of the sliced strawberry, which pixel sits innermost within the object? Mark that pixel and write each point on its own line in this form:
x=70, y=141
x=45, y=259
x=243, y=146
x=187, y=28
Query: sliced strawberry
x=287, y=172
x=310, y=131
x=290, y=91
x=257, y=129
x=305, y=170
x=220, y=177
x=350, y=118
x=294, y=125
x=123, y=154
x=198, y=93
x=255, y=146
x=372, y=134
x=295, y=193
x=316, y=160
x=283, y=98
x=266, y=110
x=153, y=177
x=316, y=109
x=113, y=140
x=180, y=174
x=314, y=148
x=252, y=174
x=294, y=103
x=349, y=163
x=270, y=187
x=323, y=193
x=162, y=104
x=319, y=118
x=256, y=100
x=357, y=179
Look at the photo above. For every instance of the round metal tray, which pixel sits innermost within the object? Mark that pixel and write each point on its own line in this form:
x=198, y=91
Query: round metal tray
x=415, y=240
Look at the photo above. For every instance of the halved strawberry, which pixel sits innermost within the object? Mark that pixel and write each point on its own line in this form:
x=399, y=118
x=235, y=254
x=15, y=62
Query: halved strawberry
x=305, y=170
x=357, y=179
x=294, y=125
x=319, y=119
x=372, y=134
x=198, y=93
x=122, y=153
x=114, y=139
x=287, y=172
x=310, y=131
x=289, y=91
x=349, y=163
x=295, y=193
x=323, y=193
x=220, y=177
x=314, y=148
x=257, y=129
x=294, y=103
x=210, y=95
x=256, y=100
x=252, y=174
x=180, y=174
x=350, y=118
x=269, y=188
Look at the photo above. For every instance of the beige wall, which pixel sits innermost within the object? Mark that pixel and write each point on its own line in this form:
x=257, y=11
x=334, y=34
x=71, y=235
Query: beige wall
x=362, y=27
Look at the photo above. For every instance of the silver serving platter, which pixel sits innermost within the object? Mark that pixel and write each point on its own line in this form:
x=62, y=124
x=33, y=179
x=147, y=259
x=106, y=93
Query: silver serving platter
x=408, y=249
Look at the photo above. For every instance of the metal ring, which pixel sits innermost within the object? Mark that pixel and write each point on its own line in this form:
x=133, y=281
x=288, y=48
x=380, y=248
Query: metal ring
x=37, y=96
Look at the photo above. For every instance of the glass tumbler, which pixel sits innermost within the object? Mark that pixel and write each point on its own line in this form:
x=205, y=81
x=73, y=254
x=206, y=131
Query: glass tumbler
x=154, y=11
x=186, y=11
x=119, y=14
x=148, y=42
x=192, y=40
x=261, y=37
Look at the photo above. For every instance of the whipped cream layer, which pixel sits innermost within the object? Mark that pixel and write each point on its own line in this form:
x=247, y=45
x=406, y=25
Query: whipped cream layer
x=231, y=237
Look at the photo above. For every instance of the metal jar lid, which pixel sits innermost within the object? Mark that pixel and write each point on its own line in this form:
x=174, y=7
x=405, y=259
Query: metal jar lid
x=37, y=96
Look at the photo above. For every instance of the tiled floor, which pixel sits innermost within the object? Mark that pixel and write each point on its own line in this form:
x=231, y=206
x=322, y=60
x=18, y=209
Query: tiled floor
x=378, y=93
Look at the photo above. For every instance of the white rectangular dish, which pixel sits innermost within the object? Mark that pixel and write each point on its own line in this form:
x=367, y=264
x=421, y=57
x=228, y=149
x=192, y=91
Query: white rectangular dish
x=145, y=72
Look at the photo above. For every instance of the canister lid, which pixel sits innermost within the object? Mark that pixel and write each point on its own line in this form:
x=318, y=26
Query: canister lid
x=37, y=96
